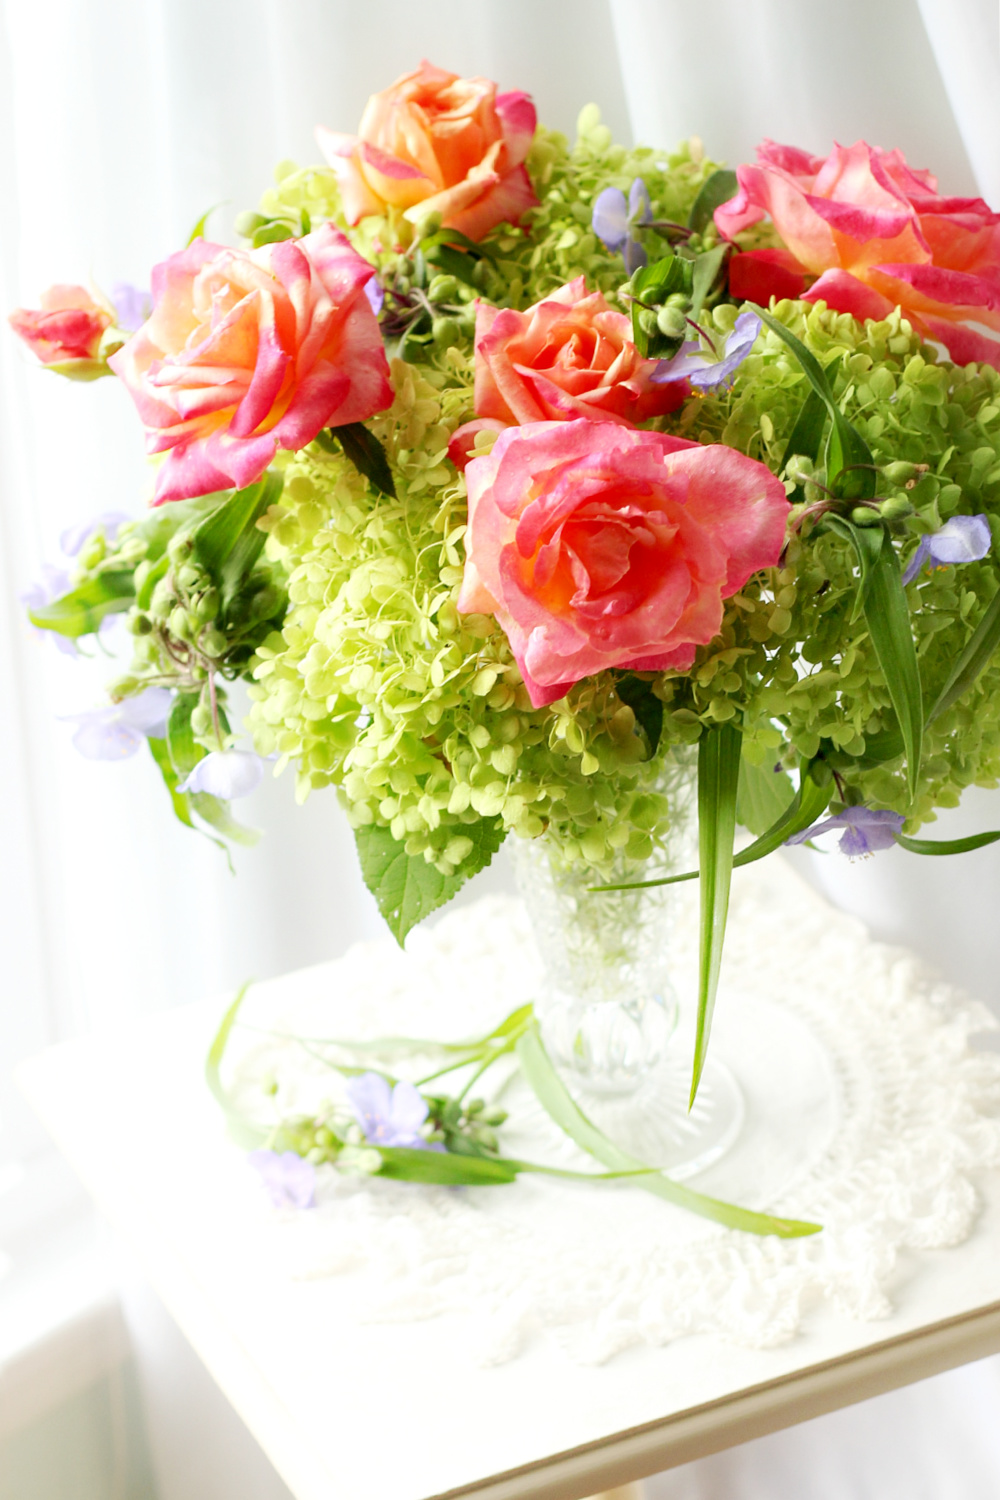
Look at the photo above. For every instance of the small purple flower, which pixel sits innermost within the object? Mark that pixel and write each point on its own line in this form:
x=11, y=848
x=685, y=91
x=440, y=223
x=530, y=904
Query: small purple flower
x=388, y=1117
x=132, y=306
x=962, y=539
x=290, y=1182
x=705, y=374
x=109, y=521
x=116, y=731
x=866, y=830
x=226, y=774
x=375, y=292
x=51, y=585
x=613, y=221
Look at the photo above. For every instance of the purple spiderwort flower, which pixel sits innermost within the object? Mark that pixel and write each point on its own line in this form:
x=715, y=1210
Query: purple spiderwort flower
x=962, y=539
x=116, y=731
x=51, y=585
x=375, y=292
x=866, y=830
x=388, y=1117
x=110, y=521
x=132, y=305
x=226, y=774
x=613, y=221
x=290, y=1182
x=705, y=374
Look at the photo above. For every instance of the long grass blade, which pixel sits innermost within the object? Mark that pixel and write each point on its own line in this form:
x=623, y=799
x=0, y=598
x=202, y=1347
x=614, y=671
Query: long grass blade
x=559, y=1104
x=719, y=751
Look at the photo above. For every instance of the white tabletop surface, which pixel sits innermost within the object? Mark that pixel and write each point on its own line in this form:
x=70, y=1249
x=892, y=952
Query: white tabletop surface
x=399, y=1411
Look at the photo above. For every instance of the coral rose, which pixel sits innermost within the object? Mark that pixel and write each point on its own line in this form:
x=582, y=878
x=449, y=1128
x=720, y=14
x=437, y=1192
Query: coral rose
x=66, y=330
x=877, y=235
x=437, y=143
x=569, y=356
x=597, y=545
x=249, y=351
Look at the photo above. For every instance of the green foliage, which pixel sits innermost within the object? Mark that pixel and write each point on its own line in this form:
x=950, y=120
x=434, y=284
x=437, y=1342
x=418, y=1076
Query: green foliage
x=405, y=886
x=719, y=759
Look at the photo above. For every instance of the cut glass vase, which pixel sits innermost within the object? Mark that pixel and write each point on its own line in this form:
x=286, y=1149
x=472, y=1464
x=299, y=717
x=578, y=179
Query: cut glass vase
x=608, y=1006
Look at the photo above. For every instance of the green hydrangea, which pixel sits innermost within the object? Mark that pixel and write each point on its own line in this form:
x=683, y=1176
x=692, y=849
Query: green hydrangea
x=418, y=715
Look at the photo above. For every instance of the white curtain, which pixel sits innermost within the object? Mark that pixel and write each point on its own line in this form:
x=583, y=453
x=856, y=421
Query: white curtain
x=121, y=121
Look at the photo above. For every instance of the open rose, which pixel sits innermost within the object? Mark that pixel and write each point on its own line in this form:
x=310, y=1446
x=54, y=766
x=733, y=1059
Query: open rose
x=66, y=331
x=569, y=356
x=597, y=545
x=437, y=143
x=249, y=351
x=877, y=235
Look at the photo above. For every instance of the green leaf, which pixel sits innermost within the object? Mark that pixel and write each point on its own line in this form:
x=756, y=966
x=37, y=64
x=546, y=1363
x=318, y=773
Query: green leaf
x=887, y=616
x=161, y=754
x=558, y=1103
x=405, y=886
x=765, y=794
x=215, y=812
x=229, y=541
x=715, y=190
x=638, y=694
x=705, y=269
x=364, y=451
x=202, y=224
x=718, y=778
x=809, y=802
x=806, y=435
x=185, y=752
x=850, y=469
x=867, y=543
x=947, y=846
x=411, y=1164
x=81, y=611
x=978, y=653
x=242, y=1131
x=457, y=263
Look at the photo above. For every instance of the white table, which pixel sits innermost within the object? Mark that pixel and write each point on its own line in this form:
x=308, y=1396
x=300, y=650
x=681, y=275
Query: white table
x=398, y=1411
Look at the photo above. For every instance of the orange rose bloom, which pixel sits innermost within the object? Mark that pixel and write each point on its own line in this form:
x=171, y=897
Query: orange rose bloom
x=877, y=235
x=437, y=143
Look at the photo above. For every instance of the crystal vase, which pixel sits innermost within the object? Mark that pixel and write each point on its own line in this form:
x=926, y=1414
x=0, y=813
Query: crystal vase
x=609, y=1005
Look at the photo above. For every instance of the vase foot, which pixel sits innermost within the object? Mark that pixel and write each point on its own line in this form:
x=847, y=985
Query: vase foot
x=653, y=1122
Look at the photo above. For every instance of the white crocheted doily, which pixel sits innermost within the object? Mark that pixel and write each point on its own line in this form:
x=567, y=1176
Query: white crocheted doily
x=866, y=1110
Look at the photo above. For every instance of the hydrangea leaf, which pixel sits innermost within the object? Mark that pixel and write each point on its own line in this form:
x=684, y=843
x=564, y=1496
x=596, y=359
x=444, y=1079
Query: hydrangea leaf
x=408, y=888
x=715, y=190
x=764, y=795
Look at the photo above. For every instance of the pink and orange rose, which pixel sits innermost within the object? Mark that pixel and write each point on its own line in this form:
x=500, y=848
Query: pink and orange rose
x=597, y=545
x=436, y=143
x=876, y=235
x=569, y=356
x=66, y=330
x=249, y=351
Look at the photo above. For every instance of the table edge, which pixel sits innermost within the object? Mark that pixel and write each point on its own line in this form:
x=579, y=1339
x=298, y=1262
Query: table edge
x=638, y=1452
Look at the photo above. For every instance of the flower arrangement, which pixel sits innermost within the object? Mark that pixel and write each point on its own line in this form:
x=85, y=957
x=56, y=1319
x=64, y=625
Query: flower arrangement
x=499, y=468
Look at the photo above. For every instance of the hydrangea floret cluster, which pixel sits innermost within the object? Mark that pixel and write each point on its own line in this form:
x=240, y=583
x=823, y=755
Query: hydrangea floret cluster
x=499, y=468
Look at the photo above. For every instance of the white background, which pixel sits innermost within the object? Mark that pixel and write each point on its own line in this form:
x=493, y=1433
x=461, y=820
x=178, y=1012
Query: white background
x=121, y=121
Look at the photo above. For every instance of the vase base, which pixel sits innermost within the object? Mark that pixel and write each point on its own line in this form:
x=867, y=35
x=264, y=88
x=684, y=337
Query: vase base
x=653, y=1122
